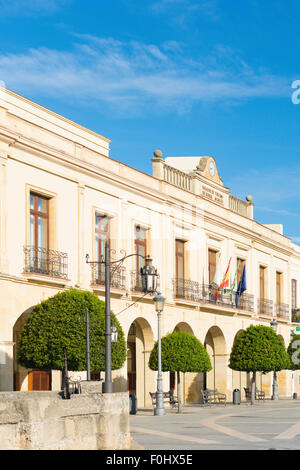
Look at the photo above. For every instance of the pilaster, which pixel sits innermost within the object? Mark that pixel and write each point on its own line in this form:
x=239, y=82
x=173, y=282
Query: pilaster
x=81, y=278
x=3, y=212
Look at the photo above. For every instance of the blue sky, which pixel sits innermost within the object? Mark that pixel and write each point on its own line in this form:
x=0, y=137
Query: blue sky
x=190, y=77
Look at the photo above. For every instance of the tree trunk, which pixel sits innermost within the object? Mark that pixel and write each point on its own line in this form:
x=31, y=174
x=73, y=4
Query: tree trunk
x=253, y=388
x=179, y=392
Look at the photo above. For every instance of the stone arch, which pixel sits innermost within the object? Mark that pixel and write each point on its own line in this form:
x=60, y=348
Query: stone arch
x=20, y=373
x=25, y=379
x=140, y=378
x=216, y=347
x=182, y=326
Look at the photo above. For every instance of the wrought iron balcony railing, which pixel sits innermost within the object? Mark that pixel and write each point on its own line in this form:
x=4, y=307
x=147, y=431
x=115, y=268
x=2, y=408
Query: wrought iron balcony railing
x=47, y=262
x=265, y=307
x=117, y=280
x=186, y=289
x=227, y=298
x=283, y=311
x=194, y=291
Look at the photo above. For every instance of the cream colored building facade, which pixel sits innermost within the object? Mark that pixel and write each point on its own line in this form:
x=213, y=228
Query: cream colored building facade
x=190, y=224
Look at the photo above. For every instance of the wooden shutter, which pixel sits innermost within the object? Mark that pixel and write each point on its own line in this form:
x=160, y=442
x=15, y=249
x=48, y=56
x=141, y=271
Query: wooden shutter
x=39, y=380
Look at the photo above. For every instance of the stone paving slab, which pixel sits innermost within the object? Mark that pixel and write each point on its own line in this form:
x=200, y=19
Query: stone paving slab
x=269, y=425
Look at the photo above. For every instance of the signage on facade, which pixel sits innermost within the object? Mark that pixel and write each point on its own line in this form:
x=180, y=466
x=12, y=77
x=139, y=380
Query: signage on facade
x=213, y=195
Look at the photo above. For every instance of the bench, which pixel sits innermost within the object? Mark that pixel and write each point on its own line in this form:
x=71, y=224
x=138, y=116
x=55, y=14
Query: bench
x=169, y=397
x=71, y=387
x=259, y=394
x=213, y=397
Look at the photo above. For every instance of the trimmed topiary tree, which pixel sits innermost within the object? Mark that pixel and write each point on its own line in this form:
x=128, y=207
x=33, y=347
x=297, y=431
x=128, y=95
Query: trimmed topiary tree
x=53, y=326
x=180, y=352
x=258, y=348
x=293, y=351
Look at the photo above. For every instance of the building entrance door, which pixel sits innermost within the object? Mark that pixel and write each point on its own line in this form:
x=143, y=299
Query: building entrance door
x=39, y=380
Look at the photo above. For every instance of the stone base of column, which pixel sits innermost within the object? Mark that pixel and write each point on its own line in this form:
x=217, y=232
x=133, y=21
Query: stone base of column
x=159, y=412
x=108, y=387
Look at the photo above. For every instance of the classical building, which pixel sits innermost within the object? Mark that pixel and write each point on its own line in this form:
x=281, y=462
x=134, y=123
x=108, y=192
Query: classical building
x=62, y=196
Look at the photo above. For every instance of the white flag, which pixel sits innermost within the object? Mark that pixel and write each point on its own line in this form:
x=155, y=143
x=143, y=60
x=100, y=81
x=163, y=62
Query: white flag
x=217, y=278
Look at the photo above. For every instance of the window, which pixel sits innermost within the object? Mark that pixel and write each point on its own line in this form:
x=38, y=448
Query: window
x=40, y=255
x=262, y=282
x=140, y=248
x=278, y=288
x=39, y=234
x=179, y=259
x=101, y=236
x=294, y=294
x=212, y=265
x=240, y=268
x=39, y=221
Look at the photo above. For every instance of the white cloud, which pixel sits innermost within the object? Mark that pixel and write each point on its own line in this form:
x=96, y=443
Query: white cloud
x=130, y=76
x=272, y=186
x=29, y=7
x=275, y=193
x=182, y=11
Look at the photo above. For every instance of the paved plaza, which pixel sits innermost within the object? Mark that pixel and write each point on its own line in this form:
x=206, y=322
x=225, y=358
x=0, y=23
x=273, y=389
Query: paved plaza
x=269, y=425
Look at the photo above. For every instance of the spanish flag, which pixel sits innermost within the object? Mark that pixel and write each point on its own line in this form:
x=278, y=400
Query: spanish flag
x=225, y=282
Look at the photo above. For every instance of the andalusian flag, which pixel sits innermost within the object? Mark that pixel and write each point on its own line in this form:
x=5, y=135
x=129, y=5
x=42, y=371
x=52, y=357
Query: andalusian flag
x=225, y=282
x=230, y=290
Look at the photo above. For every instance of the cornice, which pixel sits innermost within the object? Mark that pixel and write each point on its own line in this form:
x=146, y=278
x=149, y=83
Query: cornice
x=73, y=163
x=247, y=234
x=59, y=117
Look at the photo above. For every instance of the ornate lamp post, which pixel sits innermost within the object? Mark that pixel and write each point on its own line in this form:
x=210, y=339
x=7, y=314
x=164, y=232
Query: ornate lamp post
x=274, y=326
x=114, y=339
x=149, y=281
x=159, y=301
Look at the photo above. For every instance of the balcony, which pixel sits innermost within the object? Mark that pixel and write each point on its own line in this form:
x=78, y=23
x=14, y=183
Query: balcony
x=117, y=279
x=46, y=262
x=186, y=290
x=282, y=311
x=265, y=307
x=226, y=298
x=203, y=293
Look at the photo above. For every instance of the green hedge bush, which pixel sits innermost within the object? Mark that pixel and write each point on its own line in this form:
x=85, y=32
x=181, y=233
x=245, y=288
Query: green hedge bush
x=182, y=352
x=54, y=325
x=258, y=348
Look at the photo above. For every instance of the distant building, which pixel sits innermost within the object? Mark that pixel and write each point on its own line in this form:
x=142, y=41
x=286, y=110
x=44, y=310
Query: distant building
x=62, y=196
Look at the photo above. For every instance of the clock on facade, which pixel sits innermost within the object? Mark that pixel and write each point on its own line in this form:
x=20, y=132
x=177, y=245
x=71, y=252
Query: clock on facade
x=212, y=169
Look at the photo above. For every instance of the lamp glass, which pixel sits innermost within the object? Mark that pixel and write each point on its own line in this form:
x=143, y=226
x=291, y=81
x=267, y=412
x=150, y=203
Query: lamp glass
x=149, y=276
x=274, y=325
x=114, y=334
x=159, y=301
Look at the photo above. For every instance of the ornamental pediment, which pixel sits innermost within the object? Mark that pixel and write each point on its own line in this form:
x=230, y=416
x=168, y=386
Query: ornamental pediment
x=203, y=166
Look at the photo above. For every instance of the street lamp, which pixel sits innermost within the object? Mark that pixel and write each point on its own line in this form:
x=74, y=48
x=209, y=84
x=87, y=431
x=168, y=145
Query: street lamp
x=149, y=276
x=88, y=323
x=149, y=282
x=159, y=301
x=274, y=326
